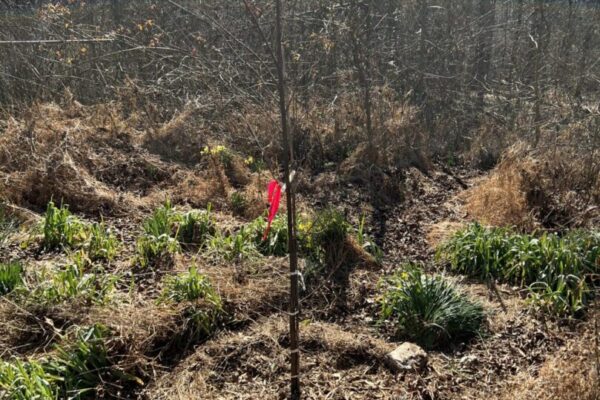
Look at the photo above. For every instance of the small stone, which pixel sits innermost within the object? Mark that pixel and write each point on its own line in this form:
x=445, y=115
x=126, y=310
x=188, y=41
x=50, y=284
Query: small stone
x=406, y=357
x=468, y=360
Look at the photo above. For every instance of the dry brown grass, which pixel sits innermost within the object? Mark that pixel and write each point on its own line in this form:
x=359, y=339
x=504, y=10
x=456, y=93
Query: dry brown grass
x=546, y=187
x=97, y=162
x=74, y=156
x=254, y=364
x=328, y=133
x=501, y=198
x=252, y=289
x=569, y=374
x=254, y=195
x=441, y=231
x=179, y=139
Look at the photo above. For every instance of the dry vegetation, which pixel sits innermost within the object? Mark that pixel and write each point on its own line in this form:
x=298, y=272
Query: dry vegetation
x=539, y=188
x=98, y=162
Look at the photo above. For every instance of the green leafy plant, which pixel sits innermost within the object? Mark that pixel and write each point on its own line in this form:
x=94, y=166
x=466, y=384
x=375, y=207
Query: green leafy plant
x=195, y=227
x=27, y=380
x=11, y=276
x=205, y=305
x=231, y=247
x=428, y=310
x=166, y=231
x=82, y=364
x=477, y=251
x=72, y=282
x=160, y=236
x=152, y=248
x=276, y=242
x=81, y=260
x=103, y=244
x=332, y=247
x=73, y=371
x=323, y=245
x=329, y=227
x=161, y=221
x=218, y=153
x=254, y=164
x=238, y=202
x=61, y=229
x=556, y=270
x=190, y=286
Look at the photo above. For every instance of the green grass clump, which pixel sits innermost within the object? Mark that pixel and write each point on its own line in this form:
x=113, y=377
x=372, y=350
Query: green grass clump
x=102, y=244
x=477, y=251
x=429, y=310
x=238, y=202
x=11, y=276
x=205, y=304
x=247, y=242
x=71, y=372
x=557, y=270
x=72, y=282
x=322, y=243
x=190, y=286
x=61, y=229
x=329, y=227
x=160, y=236
x=161, y=222
x=82, y=364
x=233, y=247
x=21, y=380
x=195, y=227
x=151, y=248
x=326, y=231
x=166, y=231
x=276, y=243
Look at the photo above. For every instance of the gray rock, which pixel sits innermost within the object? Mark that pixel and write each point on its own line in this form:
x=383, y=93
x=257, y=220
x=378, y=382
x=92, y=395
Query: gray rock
x=406, y=357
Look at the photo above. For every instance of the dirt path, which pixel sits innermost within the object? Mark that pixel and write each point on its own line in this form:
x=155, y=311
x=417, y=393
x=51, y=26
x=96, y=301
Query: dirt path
x=399, y=225
x=430, y=199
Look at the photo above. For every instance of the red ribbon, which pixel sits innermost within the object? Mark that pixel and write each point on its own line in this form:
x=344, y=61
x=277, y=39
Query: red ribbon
x=274, y=197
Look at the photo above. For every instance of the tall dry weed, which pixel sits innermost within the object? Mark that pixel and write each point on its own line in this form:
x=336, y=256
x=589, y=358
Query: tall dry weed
x=553, y=187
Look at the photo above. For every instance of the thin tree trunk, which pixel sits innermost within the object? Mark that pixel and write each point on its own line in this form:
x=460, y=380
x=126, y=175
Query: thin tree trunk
x=291, y=211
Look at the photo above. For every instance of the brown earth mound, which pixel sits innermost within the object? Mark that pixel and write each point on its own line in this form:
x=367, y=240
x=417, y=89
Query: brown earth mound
x=530, y=188
x=93, y=160
x=254, y=364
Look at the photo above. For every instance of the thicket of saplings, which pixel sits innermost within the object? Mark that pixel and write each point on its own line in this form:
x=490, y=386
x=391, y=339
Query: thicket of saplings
x=557, y=272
